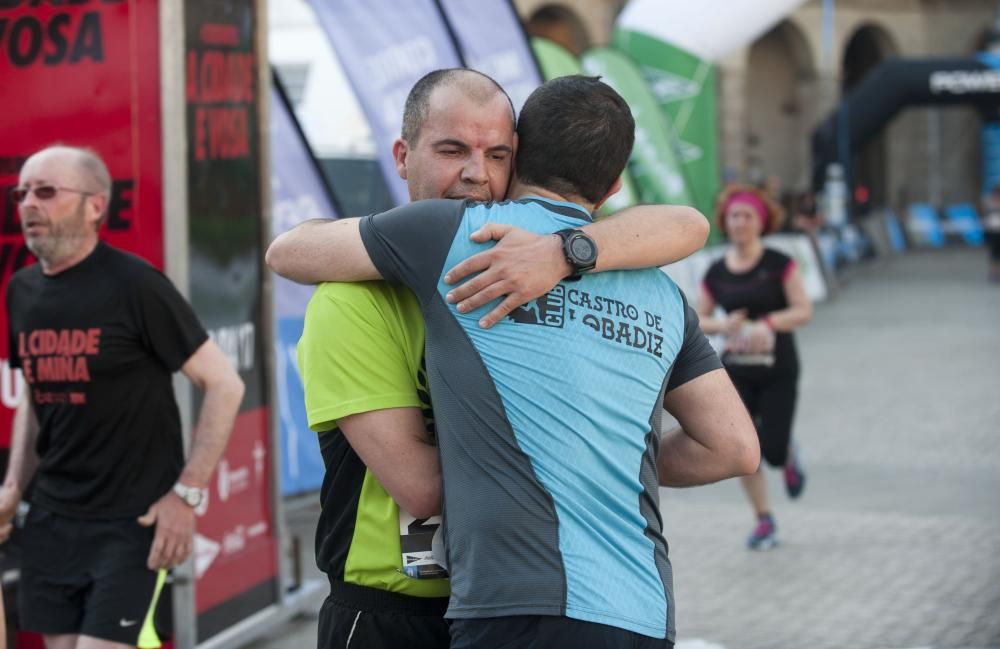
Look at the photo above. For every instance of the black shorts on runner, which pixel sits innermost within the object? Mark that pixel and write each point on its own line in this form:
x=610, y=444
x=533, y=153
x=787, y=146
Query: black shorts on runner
x=356, y=617
x=993, y=241
x=87, y=577
x=770, y=398
x=546, y=632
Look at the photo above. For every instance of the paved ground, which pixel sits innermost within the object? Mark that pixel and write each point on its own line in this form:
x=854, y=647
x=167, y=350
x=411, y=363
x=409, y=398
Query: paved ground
x=896, y=542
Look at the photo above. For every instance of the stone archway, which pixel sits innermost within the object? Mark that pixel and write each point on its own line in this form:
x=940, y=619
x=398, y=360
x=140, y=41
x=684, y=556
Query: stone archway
x=780, y=74
x=868, y=169
x=560, y=24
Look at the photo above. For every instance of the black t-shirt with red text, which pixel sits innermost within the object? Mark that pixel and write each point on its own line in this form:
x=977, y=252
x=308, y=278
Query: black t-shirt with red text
x=760, y=290
x=97, y=345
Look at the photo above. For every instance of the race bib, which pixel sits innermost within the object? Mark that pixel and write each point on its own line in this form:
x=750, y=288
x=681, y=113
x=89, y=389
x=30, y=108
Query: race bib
x=733, y=358
x=416, y=539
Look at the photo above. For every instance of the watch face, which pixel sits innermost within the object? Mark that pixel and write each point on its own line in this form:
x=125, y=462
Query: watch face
x=191, y=496
x=583, y=249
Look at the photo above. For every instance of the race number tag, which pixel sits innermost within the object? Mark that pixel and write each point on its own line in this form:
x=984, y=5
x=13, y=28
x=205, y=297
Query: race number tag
x=416, y=536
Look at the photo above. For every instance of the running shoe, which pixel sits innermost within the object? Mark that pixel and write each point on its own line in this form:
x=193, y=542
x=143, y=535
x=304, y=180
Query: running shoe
x=765, y=535
x=795, y=477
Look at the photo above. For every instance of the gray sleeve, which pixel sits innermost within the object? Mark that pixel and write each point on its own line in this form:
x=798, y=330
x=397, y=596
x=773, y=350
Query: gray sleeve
x=696, y=356
x=409, y=244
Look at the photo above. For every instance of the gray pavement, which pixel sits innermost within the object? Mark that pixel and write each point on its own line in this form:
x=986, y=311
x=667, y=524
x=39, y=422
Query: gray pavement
x=896, y=542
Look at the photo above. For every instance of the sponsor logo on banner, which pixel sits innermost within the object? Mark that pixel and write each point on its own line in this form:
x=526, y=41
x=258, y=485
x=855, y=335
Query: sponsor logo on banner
x=963, y=82
x=237, y=342
x=688, y=152
x=668, y=86
x=205, y=552
x=70, y=36
x=231, y=481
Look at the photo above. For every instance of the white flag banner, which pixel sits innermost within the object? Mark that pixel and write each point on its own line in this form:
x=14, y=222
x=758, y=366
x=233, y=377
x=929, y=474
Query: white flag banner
x=709, y=29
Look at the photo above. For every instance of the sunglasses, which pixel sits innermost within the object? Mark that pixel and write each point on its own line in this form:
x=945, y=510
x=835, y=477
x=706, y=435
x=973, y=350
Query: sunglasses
x=42, y=192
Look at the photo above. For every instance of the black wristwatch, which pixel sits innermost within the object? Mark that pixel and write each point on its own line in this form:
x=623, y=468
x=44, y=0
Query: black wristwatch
x=580, y=251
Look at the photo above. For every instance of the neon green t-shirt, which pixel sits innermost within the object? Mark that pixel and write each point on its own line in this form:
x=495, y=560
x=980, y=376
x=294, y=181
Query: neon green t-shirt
x=362, y=350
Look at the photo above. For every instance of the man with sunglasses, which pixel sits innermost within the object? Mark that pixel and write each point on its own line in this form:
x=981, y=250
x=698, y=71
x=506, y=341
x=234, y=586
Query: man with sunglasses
x=98, y=334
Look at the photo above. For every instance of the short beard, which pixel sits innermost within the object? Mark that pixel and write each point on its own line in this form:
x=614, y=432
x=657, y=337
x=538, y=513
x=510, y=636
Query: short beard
x=61, y=242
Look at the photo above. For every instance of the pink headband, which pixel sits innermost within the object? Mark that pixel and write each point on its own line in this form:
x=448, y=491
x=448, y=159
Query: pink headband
x=750, y=200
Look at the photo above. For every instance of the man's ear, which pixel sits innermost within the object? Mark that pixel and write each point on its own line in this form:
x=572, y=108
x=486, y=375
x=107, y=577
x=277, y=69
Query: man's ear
x=611, y=192
x=513, y=165
x=98, y=203
x=399, y=150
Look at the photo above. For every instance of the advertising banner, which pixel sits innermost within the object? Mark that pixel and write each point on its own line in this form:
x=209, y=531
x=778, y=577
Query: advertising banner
x=82, y=74
x=655, y=164
x=490, y=39
x=298, y=193
x=236, y=549
x=385, y=46
x=685, y=87
x=556, y=61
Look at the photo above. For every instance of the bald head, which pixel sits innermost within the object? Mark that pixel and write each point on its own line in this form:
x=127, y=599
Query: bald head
x=84, y=163
x=476, y=86
x=80, y=166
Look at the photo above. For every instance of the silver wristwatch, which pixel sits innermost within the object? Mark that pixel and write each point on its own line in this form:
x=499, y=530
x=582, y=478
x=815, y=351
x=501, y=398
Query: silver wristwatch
x=192, y=496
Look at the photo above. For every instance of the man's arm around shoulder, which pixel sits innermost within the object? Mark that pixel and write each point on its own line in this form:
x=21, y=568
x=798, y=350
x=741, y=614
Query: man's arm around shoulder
x=648, y=236
x=524, y=266
x=321, y=250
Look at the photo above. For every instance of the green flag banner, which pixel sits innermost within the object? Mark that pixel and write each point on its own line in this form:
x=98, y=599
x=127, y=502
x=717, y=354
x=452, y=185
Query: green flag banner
x=655, y=165
x=556, y=61
x=685, y=87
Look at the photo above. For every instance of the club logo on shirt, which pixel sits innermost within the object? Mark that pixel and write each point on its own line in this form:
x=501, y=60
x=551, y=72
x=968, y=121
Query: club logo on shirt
x=548, y=310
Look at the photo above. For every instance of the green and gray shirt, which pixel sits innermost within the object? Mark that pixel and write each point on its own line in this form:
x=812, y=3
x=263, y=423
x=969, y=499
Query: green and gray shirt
x=362, y=350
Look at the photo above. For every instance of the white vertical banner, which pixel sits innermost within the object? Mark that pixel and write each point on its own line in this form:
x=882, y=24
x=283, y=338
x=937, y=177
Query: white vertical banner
x=709, y=29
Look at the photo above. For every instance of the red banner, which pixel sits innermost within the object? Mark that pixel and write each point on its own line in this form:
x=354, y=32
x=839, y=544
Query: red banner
x=83, y=73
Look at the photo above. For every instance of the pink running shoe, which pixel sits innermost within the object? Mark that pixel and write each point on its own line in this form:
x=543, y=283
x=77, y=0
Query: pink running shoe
x=765, y=535
x=795, y=477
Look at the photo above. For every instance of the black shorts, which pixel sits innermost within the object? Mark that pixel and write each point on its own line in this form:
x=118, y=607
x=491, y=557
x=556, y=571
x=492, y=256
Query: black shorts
x=993, y=242
x=87, y=577
x=546, y=632
x=770, y=397
x=355, y=617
